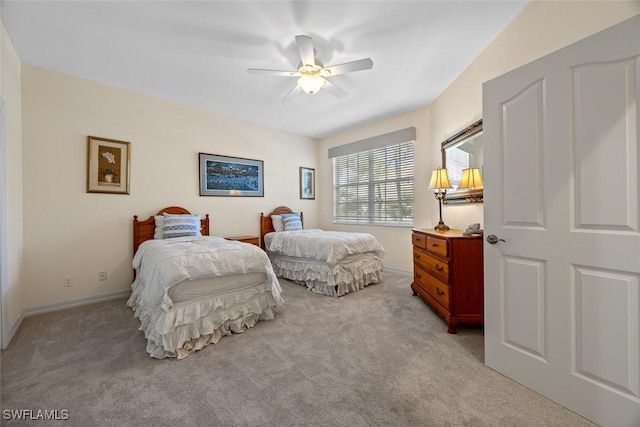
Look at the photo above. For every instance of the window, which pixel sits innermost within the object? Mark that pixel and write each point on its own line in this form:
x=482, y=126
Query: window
x=375, y=186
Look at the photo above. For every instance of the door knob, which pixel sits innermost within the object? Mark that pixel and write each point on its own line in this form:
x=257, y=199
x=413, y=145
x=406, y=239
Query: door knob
x=493, y=239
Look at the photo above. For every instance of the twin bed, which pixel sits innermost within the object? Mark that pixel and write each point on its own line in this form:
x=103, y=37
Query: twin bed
x=190, y=289
x=327, y=262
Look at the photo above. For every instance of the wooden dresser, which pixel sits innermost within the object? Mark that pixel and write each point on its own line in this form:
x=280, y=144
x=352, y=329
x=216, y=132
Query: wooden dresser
x=448, y=273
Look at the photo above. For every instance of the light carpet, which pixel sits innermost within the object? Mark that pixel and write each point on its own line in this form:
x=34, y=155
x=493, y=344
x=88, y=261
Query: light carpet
x=379, y=357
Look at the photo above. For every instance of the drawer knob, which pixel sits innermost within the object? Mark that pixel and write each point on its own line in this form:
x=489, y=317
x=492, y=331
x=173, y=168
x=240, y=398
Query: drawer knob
x=439, y=267
x=417, y=256
x=439, y=292
x=418, y=275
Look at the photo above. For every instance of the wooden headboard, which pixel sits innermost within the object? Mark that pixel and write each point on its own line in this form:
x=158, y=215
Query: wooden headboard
x=266, y=226
x=144, y=230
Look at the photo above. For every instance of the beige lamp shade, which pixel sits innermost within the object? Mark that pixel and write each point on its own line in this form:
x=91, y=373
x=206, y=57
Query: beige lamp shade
x=471, y=179
x=440, y=180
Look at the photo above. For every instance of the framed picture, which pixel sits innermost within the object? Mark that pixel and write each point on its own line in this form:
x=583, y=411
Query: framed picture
x=108, y=166
x=230, y=176
x=307, y=183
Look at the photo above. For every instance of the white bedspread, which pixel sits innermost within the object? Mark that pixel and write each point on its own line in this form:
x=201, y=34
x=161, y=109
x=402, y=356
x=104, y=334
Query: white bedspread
x=163, y=263
x=328, y=246
x=178, y=328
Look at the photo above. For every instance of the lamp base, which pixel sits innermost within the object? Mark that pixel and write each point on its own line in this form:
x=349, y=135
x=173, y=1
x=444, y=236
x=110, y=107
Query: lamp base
x=441, y=226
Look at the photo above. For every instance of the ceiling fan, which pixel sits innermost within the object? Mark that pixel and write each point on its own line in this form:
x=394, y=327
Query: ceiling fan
x=312, y=73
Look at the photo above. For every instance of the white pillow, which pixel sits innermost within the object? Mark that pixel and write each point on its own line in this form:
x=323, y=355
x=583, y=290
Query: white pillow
x=158, y=234
x=180, y=226
x=292, y=222
x=159, y=230
x=276, y=220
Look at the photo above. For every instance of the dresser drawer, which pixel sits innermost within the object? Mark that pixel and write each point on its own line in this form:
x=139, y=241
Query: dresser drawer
x=435, y=288
x=438, y=246
x=419, y=240
x=434, y=266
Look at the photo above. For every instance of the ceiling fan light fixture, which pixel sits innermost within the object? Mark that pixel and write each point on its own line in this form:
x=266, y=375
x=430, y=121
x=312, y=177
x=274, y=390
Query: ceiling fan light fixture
x=311, y=83
x=311, y=72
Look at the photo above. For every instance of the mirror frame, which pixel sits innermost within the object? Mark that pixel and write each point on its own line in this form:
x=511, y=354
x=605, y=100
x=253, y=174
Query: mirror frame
x=465, y=196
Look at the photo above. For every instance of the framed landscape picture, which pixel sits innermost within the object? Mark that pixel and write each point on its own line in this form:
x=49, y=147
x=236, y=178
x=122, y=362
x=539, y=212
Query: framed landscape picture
x=230, y=176
x=307, y=183
x=108, y=166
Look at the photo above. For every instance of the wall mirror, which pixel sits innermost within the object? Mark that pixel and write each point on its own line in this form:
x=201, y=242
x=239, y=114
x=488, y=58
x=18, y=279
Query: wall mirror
x=462, y=157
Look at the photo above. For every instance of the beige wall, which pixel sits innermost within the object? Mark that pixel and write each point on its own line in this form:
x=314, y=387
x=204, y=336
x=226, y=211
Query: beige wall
x=541, y=28
x=71, y=232
x=10, y=91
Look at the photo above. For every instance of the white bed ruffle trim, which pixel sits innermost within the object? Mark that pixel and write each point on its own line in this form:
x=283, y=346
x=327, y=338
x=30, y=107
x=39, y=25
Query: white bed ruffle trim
x=228, y=327
x=333, y=281
x=343, y=288
x=190, y=326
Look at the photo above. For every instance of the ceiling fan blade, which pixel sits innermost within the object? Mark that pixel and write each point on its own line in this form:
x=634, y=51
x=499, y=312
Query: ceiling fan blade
x=273, y=72
x=334, y=90
x=289, y=96
x=349, y=67
x=305, y=49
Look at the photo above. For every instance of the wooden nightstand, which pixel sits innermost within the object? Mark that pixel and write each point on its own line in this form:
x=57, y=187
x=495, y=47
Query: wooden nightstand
x=254, y=240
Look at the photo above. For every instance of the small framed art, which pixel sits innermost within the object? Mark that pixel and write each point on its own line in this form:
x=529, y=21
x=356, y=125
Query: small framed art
x=307, y=183
x=231, y=176
x=108, y=166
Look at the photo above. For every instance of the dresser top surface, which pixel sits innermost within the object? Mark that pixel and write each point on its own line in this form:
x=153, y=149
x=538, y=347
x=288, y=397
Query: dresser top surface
x=448, y=234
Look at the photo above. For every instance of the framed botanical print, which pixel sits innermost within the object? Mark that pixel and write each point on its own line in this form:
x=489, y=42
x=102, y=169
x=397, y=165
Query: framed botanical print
x=108, y=166
x=307, y=183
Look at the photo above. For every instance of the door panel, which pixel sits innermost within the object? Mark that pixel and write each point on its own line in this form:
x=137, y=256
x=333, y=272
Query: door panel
x=561, y=176
x=525, y=305
x=522, y=122
x=606, y=140
x=597, y=293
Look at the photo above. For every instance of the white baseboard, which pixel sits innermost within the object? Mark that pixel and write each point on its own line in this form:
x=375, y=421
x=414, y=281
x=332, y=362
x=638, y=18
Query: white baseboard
x=398, y=270
x=46, y=308
x=13, y=328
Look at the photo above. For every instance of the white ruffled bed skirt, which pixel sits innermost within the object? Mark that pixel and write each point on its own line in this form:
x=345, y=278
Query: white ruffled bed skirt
x=351, y=275
x=190, y=326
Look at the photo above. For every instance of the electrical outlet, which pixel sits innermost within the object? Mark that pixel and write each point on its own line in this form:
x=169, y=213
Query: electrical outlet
x=67, y=281
x=102, y=276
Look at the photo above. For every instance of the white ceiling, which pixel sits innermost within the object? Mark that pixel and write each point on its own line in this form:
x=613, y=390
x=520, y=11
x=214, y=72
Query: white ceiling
x=197, y=53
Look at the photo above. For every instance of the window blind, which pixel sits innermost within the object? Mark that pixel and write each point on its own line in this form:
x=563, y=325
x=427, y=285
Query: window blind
x=375, y=186
x=457, y=160
x=380, y=141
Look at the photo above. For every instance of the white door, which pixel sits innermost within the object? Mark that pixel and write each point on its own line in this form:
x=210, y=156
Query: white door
x=4, y=324
x=561, y=176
